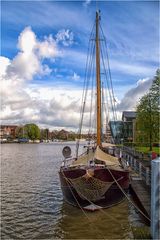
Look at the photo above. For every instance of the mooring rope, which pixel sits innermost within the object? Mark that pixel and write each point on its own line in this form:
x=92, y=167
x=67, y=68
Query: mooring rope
x=128, y=197
x=100, y=209
x=139, y=210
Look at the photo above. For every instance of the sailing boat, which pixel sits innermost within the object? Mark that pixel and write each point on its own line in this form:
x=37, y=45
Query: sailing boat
x=94, y=179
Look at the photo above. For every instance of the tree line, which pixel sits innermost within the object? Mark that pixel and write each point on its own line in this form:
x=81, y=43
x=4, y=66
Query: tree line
x=33, y=132
x=148, y=115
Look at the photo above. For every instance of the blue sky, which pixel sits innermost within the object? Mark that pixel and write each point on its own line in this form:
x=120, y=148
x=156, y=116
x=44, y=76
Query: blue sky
x=131, y=29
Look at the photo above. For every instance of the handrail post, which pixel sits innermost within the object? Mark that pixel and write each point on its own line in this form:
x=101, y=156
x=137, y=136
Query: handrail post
x=140, y=169
x=134, y=164
x=147, y=176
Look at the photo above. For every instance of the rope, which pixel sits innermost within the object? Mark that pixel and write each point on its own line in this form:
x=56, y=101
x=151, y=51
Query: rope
x=110, y=76
x=100, y=209
x=112, y=98
x=128, y=197
x=85, y=86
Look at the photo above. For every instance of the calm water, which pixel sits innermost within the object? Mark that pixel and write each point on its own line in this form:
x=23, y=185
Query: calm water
x=32, y=202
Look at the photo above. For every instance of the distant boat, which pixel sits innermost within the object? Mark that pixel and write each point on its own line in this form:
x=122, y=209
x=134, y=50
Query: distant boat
x=94, y=179
x=23, y=140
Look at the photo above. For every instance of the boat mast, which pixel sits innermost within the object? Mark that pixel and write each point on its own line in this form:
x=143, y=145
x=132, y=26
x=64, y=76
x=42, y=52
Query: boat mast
x=98, y=80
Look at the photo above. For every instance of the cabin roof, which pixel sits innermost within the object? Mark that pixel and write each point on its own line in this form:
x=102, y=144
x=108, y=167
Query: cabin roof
x=97, y=154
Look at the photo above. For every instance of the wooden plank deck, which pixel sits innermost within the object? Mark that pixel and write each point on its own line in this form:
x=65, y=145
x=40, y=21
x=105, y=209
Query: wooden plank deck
x=142, y=194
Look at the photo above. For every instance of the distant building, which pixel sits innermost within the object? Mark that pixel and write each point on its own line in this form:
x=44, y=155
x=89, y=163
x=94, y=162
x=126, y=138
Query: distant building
x=128, y=116
x=128, y=119
x=7, y=131
x=116, y=128
x=124, y=130
x=63, y=134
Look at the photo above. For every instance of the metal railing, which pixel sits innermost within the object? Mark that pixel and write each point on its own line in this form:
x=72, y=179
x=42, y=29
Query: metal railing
x=134, y=160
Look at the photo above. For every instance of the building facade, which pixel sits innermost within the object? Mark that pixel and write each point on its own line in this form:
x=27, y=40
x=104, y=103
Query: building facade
x=128, y=119
x=8, y=131
x=124, y=130
x=116, y=128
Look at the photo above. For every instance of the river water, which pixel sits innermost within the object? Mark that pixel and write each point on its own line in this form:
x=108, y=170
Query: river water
x=32, y=204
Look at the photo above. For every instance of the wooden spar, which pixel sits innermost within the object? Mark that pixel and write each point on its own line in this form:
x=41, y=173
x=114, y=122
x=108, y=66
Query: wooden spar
x=98, y=80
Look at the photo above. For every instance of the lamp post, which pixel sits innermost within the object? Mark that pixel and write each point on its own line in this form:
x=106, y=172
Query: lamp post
x=150, y=123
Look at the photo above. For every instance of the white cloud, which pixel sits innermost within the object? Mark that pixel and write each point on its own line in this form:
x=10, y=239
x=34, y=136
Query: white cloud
x=66, y=37
x=27, y=41
x=28, y=62
x=4, y=63
x=58, y=108
x=48, y=48
x=132, y=96
x=16, y=103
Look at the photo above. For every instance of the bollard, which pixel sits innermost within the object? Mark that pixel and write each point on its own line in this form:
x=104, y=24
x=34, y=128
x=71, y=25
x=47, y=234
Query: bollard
x=155, y=199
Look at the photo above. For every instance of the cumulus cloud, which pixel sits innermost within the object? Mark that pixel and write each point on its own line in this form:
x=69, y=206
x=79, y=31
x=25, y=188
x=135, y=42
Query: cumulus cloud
x=48, y=48
x=65, y=36
x=4, y=62
x=28, y=62
x=57, y=107
x=131, y=98
x=16, y=103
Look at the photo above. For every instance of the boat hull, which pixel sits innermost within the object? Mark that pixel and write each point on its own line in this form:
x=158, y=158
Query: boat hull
x=112, y=194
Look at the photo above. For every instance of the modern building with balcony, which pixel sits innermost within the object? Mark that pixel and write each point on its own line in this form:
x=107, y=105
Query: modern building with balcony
x=124, y=130
x=128, y=119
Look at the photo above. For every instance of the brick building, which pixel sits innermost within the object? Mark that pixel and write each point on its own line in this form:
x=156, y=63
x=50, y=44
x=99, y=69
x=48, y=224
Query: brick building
x=7, y=131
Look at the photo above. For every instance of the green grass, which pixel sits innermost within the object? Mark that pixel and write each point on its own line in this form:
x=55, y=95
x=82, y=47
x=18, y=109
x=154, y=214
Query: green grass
x=146, y=149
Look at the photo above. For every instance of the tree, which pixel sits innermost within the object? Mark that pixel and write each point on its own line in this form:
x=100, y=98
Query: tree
x=147, y=120
x=21, y=132
x=32, y=131
x=44, y=134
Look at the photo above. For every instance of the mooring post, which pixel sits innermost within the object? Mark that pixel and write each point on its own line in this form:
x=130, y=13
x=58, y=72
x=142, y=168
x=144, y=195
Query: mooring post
x=155, y=199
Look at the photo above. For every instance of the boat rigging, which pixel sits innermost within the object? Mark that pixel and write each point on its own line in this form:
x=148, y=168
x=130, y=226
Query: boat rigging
x=90, y=179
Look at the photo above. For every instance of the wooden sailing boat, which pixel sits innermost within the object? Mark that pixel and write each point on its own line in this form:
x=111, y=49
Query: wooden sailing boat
x=94, y=179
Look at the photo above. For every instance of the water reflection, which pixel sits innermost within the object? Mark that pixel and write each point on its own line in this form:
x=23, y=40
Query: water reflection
x=111, y=223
